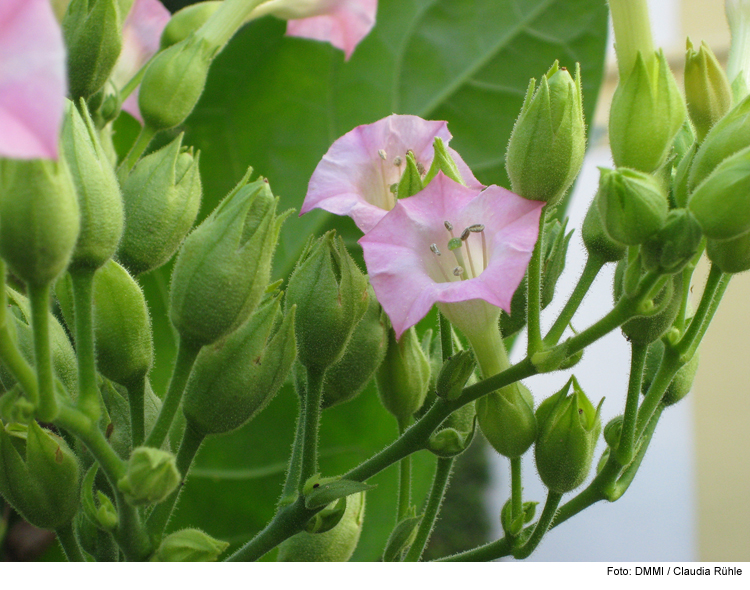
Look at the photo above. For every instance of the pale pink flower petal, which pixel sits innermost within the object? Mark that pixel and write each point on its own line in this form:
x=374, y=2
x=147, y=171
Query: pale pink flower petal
x=141, y=33
x=355, y=176
x=33, y=81
x=344, y=26
x=409, y=276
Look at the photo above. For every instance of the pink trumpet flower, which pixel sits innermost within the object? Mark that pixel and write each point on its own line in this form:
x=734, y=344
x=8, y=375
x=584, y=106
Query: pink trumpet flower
x=141, y=33
x=356, y=175
x=450, y=244
x=342, y=23
x=33, y=81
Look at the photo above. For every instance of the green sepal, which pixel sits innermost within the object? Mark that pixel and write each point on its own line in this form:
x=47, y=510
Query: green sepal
x=327, y=518
x=93, y=38
x=321, y=492
x=596, y=240
x=402, y=536
x=512, y=527
x=186, y=21
x=612, y=432
x=455, y=434
x=672, y=248
x=441, y=162
x=189, y=545
x=731, y=256
x=411, y=180
x=454, y=374
x=707, y=91
x=506, y=418
x=151, y=476
x=103, y=516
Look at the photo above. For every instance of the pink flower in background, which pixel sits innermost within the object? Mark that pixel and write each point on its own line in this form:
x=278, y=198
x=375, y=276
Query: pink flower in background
x=141, y=33
x=342, y=23
x=33, y=82
x=450, y=244
x=354, y=178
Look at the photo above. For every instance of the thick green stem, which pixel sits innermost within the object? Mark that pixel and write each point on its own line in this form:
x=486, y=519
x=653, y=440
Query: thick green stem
x=489, y=552
x=628, y=474
x=225, y=22
x=542, y=525
x=18, y=366
x=632, y=32
x=130, y=534
x=313, y=398
x=39, y=298
x=187, y=352
x=625, y=448
x=69, y=542
x=136, y=397
x=516, y=488
x=670, y=364
x=593, y=265
x=404, y=480
x=432, y=509
x=159, y=517
x=291, y=483
x=83, y=297
x=534, y=296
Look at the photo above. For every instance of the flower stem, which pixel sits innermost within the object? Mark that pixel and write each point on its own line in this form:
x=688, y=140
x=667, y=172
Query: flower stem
x=446, y=337
x=39, y=298
x=83, y=298
x=224, y=23
x=443, y=471
x=593, y=265
x=534, y=296
x=309, y=463
x=292, y=481
x=516, y=488
x=136, y=396
x=187, y=352
x=488, y=552
x=625, y=447
x=632, y=33
x=69, y=543
x=404, y=480
x=159, y=517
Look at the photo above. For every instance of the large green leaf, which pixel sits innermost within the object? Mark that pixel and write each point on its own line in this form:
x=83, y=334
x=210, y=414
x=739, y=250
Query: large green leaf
x=277, y=103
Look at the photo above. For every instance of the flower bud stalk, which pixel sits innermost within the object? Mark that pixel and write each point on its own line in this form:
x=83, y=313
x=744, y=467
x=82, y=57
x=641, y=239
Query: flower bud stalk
x=632, y=32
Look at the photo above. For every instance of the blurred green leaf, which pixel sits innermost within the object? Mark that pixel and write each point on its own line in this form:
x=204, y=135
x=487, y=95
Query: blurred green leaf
x=277, y=103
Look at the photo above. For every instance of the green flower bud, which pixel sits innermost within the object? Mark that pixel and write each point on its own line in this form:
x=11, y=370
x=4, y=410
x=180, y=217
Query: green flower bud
x=707, y=89
x=647, y=112
x=331, y=297
x=612, y=432
x=99, y=198
x=162, y=198
x=223, y=267
x=64, y=362
x=731, y=256
x=727, y=137
x=39, y=218
x=151, y=476
x=721, y=203
x=93, y=37
x=646, y=329
x=632, y=205
x=187, y=21
x=596, y=240
x=442, y=162
x=681, y=383
x=546, y=147
x=234, y=379
x=506, y=418
x=39, y=475
x=189, y=545
x=671, y=248
x=337, y=544
x=174, y=82
x=455, y=434
x=403, y=376
x=122, y=326
x=454, y=374
x=569, y=427
x=346, y=378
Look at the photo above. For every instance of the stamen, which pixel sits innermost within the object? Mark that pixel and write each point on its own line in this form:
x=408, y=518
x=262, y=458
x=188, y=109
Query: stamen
x=448, y=225
x=465, y=234
x=434, y=249
x=397, y=161
x=476, y=228
x=382, y=154
x=458, y=271
x=420, y=168
x=484, y=252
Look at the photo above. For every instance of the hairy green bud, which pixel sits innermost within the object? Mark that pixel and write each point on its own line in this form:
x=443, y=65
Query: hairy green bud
x=671, y=248
x=681, y=383
x=596, y=240
x=186, y=21
x=707, y=89
x=506, y=418
x=731, y=256
x=547, y=145
x=162, y=198
x=647, y=112
x=151, y=476
x=189, y=545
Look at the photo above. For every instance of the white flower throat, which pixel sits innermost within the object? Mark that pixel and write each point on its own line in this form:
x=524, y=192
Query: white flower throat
x=468, y=265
